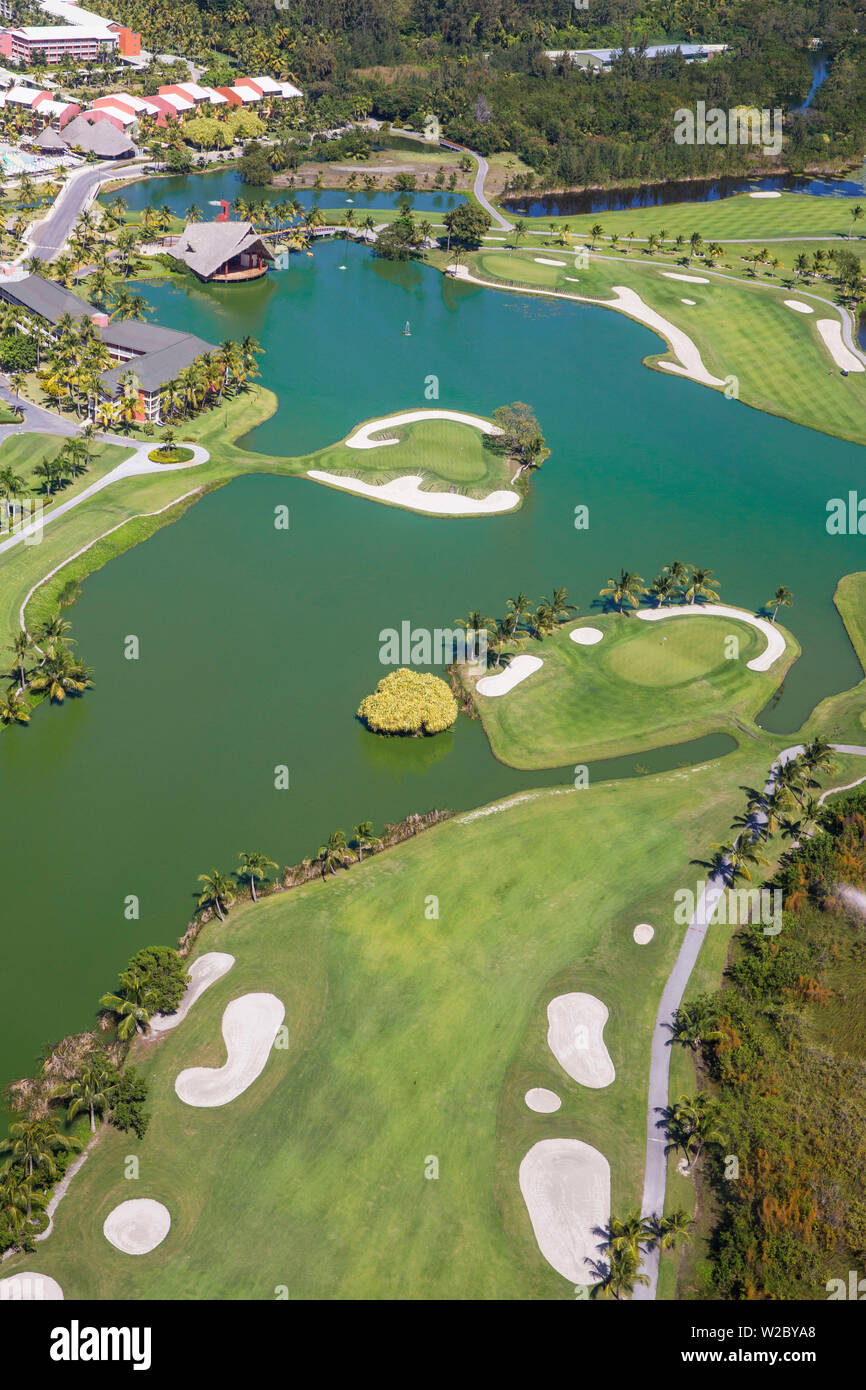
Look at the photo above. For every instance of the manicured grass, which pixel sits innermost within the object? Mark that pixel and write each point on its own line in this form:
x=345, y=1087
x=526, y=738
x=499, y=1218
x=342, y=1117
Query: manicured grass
x=645, y=685
x=443, y=452
x=165, y=455
x=410, y=1038
x=741, y=327
x=791, y=215
x=25, y=451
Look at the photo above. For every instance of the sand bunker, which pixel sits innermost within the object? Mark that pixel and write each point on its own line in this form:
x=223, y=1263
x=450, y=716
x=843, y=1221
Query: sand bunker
x=643, y=933
x=203, y=973
x=250, y=1025
x=586, y=636
x=30, y=1288
x=690, y=302
x=575, y=1037
x=775, y=641
x=798, y=306
x=692, y=279
x=137, y=1226
x=543, y=260
x=514, y=673
x=566, y=1187
x=542, y=1101
x=690, y=361
x=361, y=438
x=765, y=195
x=831, y=332
x=406, y=492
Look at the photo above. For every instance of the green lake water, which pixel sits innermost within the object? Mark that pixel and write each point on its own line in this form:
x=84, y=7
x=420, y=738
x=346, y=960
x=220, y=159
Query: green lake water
x=257, y=645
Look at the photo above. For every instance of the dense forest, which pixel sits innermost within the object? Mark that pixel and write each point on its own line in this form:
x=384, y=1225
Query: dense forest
x=482, y=69
x=782, y=1048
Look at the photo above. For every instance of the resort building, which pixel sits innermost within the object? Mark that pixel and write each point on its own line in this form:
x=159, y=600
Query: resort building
x=54, y=42
x=96, y=132
x=602, y=59
x=155, y=355
x=222, y=251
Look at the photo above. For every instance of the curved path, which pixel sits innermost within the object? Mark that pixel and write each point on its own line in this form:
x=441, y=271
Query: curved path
x=361, y=438
x=135, y=466
x=656, y=1163
x=46, y=239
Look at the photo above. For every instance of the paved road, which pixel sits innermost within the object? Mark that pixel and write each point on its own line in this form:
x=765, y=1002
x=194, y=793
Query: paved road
x=49, y=236
x=478, y=189
x=655, y=1170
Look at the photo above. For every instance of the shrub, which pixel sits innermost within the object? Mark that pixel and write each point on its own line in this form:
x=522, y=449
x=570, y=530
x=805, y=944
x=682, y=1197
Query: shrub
x=17, y=352
x=409, y=702
x=128, y=1111
x=165, y=976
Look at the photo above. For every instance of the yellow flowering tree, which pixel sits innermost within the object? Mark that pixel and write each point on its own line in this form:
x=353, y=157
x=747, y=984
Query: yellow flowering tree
x=409, y=702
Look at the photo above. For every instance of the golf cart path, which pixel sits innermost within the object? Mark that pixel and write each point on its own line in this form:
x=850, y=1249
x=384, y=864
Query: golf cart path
x=135, y=466
x=655, y=1170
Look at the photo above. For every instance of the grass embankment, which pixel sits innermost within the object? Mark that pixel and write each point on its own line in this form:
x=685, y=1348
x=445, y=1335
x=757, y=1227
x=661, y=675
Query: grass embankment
x=410, y=1037
x=742, y=328
x=24, y=452
x=645, y=685
x=444, y=453
x=842, y=718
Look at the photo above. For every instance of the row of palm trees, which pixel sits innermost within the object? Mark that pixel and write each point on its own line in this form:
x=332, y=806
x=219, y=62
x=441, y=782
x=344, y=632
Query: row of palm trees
x=678, y=583
x=624, y=1241
x=44, y=665
x=521, y=620
x=787, y=806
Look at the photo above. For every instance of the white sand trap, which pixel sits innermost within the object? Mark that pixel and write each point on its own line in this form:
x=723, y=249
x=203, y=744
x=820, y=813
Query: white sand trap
x=545, y=260
x=643, y=933
x=798, y=306
x=831, y=332
x=628, y=302
x=765, y=195
x=203, y=973
x=566, y=1187
x=30, y=1288
x=573, y=278
x=775, y=641
x=361, y=438
x=690, y=302
x=575, y=1037
x=250, y=1025
x=137, y=1226
x=406, y=492
x=586, y=636
x=542, y=1101
x=503, y=681
x=692, y=279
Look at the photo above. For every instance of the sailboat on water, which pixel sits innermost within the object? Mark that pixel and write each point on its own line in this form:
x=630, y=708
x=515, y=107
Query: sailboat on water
x=407, y=331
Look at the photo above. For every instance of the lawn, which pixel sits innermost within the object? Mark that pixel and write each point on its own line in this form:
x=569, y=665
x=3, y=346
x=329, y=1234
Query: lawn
x=25, y=451
x=409, y=1038
x=725, y=219
x=444, y=453
x=645, y=685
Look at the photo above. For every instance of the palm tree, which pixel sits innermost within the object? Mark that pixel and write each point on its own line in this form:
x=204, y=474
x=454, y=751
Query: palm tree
x=519, y=230
x=662, y=589
x=333, y=853
x=543, y=620
x=679, y=573
x=616, y=1277
x=701, y=585
x=34, y=1142
x=193, y=213
x=363, y=838
x=696, y=241
x=595, y=231
x=559, y=605
x=856, y=214
x=505, y=632
x=782, y=598
x=626, y=589
x=218, y=892
x=60, y=675
x=90, y=1091
x=801, y=265
x=14, y=709
x=253, y=863
x=667, y=1230
x=129, y=1006
x=817, y=756
x=519, y=606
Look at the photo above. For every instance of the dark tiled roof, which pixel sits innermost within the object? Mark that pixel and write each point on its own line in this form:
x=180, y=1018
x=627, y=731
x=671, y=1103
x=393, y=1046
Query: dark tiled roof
x=156, y=368
x=44, y=297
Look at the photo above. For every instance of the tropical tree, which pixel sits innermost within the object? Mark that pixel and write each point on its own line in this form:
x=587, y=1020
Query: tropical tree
x=363, y=838
x=856, y=214
x=90, y=1092
x=332, y=855
x=782, y=598
x=14, y=709
x=627, y=589
x=519, y=606
x=595, y=231
x=560, y=607
x=254, y=865
x=520, y=227
x=701, y=585
x=616, y=1276
x=61, y=674
x=34, y=1142
x=218, y=893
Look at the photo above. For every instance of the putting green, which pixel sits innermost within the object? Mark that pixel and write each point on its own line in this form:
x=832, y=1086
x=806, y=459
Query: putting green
x=671, y=653
x=644, y=686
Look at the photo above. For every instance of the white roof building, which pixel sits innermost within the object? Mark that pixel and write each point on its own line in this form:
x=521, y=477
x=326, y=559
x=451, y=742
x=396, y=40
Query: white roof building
x=73, y=15
x=179, y=103
x=22, y=96
x=126, y=118
x=246, y=94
